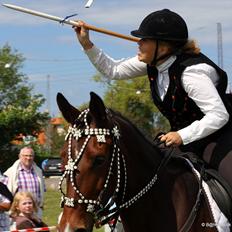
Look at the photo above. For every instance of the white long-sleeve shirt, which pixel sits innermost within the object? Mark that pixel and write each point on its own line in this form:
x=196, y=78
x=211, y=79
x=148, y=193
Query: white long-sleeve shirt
x=198, y=81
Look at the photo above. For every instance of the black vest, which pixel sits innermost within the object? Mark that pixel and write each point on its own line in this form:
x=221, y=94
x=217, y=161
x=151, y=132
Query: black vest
x=176, y=106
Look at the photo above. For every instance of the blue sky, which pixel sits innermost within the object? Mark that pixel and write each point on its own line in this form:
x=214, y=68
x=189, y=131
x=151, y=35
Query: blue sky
x=51, y=49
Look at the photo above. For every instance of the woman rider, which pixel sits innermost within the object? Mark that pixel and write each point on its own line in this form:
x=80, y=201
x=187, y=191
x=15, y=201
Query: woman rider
x=186, y=86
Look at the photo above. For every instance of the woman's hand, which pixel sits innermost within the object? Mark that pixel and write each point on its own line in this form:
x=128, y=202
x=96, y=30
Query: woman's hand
x=171, y=139
x=83, y=35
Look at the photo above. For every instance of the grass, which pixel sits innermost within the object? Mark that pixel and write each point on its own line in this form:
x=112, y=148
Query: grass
x=52, y=208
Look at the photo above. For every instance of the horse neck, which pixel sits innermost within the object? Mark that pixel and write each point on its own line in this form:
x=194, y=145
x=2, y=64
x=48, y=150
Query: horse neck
x=174, y=192
x=141, y=157
x=142, y=161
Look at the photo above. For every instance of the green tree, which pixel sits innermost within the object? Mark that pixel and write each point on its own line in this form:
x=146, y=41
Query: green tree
x=133, y=100
x=19, y=108
x=57, y=142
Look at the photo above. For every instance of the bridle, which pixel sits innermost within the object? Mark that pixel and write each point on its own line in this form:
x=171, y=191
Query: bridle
x=94, y=206
x=101, y=212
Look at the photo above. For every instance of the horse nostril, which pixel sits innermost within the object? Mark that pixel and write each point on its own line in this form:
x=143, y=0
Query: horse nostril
x=81, y=230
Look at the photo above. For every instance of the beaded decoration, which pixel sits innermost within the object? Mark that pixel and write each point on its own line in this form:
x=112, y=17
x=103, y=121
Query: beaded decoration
x=71, y=166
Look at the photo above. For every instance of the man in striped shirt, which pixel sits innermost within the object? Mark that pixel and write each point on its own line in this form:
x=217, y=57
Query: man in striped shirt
x=25, y=175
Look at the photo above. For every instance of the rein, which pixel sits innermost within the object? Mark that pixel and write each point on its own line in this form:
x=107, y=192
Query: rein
x=103, y=213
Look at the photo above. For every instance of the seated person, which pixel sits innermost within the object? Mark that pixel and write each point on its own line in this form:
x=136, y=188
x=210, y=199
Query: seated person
x=23, y=211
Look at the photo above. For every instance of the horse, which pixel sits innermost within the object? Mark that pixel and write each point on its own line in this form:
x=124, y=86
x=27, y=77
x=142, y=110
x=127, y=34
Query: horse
x=112, y=170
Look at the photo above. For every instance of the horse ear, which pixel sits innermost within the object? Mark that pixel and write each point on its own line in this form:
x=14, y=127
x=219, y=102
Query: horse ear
x=69, y=112
x=97, y=107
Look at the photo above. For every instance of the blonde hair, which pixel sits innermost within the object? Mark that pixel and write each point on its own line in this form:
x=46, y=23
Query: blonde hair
x=17, y=198
x=190, y=47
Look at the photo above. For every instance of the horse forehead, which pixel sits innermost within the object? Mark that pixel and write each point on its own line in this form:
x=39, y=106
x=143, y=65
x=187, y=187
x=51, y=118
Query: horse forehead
x=94, y=146
x=99, y=124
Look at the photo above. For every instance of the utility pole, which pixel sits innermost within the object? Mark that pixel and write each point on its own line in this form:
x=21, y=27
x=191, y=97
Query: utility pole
x=48, y=133
x=220, y=50
x=219, y=43
x=48, y=95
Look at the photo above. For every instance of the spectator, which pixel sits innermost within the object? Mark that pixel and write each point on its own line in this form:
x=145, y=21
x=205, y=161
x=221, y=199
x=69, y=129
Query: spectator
x=23, y=212
x=5, y=203
x=44, y=163
x=25, y=175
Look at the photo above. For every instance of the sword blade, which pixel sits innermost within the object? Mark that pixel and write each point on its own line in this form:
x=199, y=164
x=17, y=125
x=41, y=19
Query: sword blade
x=40, y=14
x=70, y=22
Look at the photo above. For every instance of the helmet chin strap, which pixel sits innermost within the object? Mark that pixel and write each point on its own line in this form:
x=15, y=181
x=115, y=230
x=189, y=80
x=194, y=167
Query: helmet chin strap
x=155, y=59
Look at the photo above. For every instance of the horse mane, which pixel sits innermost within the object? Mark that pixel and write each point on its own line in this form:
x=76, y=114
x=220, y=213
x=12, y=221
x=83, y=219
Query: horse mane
x=175, y=167
x=116, y=114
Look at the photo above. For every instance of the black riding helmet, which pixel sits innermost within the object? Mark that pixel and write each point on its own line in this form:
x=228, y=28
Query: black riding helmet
x=163, y=25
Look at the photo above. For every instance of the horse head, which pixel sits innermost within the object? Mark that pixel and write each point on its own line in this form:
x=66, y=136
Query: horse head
x=88, y=156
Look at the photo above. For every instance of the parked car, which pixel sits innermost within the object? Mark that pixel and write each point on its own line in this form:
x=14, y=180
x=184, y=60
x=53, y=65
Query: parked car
x=52, y=167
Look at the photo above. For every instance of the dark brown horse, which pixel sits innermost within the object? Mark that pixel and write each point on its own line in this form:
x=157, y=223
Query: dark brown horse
x=108, y=160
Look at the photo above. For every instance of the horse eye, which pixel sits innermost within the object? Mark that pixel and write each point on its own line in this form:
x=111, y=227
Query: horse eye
x=98, y=161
